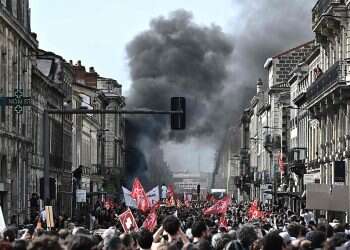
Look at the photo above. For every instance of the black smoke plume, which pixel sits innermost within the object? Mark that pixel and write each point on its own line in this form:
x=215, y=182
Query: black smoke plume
x=177, y=57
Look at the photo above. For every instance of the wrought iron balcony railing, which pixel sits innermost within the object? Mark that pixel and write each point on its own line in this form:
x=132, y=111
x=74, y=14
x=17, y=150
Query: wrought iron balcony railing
x=336, y=74
x=96, y=169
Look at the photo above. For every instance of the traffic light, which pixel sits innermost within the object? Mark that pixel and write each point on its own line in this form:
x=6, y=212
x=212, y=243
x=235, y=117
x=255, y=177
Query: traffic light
x=178, y=121
x=198, y=189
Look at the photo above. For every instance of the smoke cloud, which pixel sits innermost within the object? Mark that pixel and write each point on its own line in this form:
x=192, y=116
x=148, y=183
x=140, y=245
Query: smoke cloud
x=214, y=70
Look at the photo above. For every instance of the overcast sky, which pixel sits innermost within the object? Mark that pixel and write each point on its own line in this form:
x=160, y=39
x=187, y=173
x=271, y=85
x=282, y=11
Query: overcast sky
x=97, y=32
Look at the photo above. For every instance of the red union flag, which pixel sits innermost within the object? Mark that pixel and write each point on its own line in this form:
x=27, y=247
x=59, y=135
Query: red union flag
x=223, y=222
x=254, y=211
x=171, y=192
x=281, y=163
x=220, y=207
x=187, y=199
x=171, y=199
x=150, y=222
x=139, y=194
x=128, y=221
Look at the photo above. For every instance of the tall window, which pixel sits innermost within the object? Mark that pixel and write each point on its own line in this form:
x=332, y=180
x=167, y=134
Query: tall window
x=20, y=11
x=3, y=168
x=2, y=114
x=9, y=5
x=14, y=117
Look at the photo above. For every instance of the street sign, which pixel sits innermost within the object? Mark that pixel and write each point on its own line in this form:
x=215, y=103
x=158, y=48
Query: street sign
x=18, y=101
x=81, y=195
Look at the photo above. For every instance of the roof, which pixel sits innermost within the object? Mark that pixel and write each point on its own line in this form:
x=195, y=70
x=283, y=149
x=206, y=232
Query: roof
x=292, y=49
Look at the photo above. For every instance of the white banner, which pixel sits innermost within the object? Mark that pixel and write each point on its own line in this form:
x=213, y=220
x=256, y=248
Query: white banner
x=129, y=201
x=2, y=221
x=153, y=195
x=164, y=191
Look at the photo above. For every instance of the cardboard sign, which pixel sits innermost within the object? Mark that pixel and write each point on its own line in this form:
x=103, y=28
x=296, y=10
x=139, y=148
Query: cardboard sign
x=49, y=217
x=128, y=221
x=2, y=221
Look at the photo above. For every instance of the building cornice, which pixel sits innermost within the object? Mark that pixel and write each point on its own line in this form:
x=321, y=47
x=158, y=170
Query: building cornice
x=18, y=28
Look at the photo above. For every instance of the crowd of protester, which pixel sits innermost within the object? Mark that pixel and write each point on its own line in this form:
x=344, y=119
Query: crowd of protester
x=187, y=228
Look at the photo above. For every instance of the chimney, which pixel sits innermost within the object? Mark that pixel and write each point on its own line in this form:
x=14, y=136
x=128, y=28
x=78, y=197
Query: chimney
x=79, y=63
x=91, y=70
x=259, y=86
x=70, y=62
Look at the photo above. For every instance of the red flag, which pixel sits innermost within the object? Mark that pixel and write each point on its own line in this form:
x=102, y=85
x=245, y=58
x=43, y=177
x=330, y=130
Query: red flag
x=187, y=199
x=170, y=191
x=109, y=204
x=281, y=163
x=254, y=211
x=128, y=221
x=155, y=207
x=171, y=202
x=150, y=222
x=171, y=199
x=223, y=222
x=139, y=194
x=220, y=207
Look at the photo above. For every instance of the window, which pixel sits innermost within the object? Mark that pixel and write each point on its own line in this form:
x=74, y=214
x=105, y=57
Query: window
x=20, y=11
x=9, y=5
x=14, y=118
x=3, y=168
x=3, y=114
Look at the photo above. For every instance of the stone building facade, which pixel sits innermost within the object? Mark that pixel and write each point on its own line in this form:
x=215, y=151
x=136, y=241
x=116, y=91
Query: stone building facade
x=327, y=96
x=95, y=141
x=104, y=134
x=51, y=86
x=17, y=46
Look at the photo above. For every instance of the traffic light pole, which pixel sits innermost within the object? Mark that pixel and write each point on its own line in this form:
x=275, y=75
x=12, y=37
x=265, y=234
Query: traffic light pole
x=46, y=133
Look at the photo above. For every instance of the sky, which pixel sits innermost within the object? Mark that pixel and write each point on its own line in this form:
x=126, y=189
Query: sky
x=97, y=34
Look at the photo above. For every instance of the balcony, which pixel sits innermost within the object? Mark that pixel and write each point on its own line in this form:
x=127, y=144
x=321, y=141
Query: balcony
x=334, y=77
x=296, y=160
x=324, y=7
x=299, y=95
x=96, y=169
